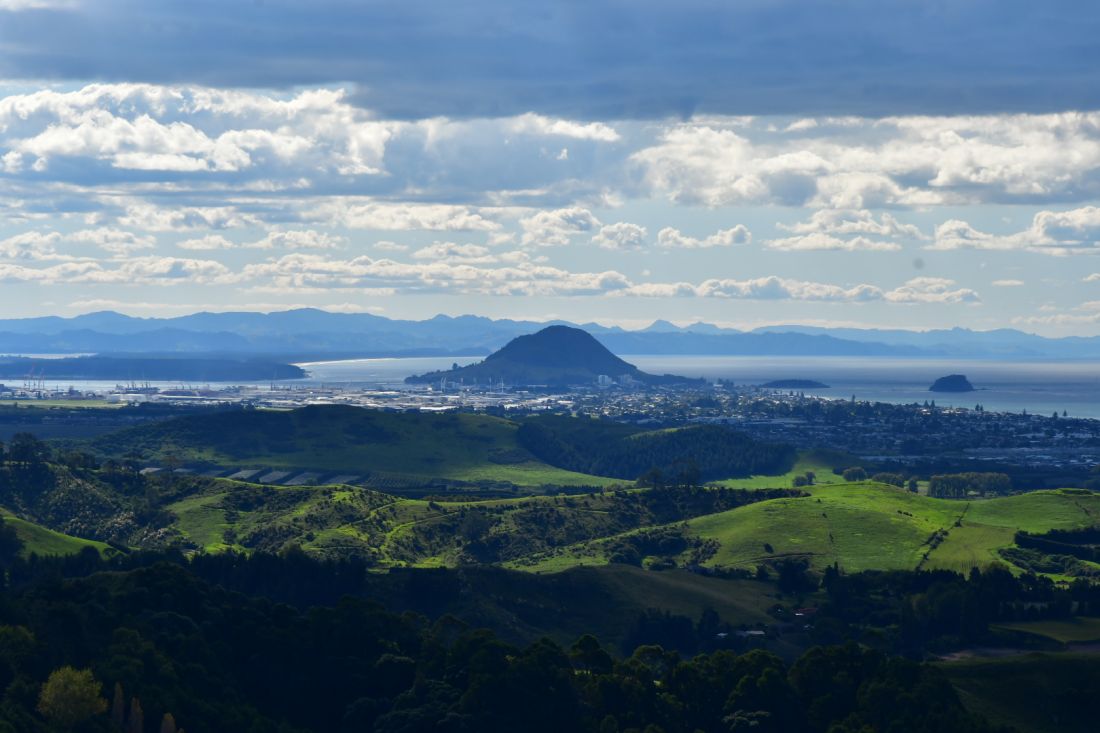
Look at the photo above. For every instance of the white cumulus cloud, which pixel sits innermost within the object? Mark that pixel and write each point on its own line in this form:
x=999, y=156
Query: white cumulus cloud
x=672, y=238
x=207, y=243
x=817, y=241
x=621, y=236
x=1051, y=232
x=556, y=227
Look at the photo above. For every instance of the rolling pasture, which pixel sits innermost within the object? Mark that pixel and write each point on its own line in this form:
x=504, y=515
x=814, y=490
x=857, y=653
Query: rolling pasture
x=866, y=526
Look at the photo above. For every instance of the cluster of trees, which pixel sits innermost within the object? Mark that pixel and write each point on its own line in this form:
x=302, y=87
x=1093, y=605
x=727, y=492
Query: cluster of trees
x=70, y=698
x=25, y=449
x=893, y=478
x=665, y=542
x=1083, y=544
x=805, y=479
x=1037, y=561
x=684, y=456
x=959, y=485
x=854, y=473
x=939, y=610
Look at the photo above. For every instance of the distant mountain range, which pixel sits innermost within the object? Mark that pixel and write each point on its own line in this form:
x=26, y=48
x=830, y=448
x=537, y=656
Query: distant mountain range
x=311, y=334
x=554, y=356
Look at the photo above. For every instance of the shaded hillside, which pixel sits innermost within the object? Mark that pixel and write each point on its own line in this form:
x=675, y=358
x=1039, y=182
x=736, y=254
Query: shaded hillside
x=332, y=438
x=77, y=503
x=555, y=356
x=685, y=455
x=1041, y=693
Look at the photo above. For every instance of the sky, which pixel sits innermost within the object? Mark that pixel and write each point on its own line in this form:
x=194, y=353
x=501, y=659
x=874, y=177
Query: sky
x=889, y=163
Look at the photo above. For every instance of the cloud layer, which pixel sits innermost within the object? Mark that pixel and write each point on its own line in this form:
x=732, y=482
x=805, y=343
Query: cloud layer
x=164, y=158
x=591, y=61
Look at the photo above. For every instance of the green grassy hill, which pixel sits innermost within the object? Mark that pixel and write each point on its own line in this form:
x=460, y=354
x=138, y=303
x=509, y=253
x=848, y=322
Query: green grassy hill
x=39, y=540
x=862, y=526
x=873, y=526
x=820, y=463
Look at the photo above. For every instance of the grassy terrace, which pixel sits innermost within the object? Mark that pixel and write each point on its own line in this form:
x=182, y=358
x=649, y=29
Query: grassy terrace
x=820, y=465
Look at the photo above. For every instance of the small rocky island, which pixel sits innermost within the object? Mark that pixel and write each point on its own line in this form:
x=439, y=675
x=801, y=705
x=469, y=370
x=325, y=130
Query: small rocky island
x=952, y=383
x=795, y=384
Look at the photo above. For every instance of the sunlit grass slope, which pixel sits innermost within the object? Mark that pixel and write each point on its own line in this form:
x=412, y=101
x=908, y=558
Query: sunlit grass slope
x=42, y=541
x=866, y=526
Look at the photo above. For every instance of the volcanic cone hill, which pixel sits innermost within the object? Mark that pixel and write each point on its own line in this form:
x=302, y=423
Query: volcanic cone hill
x=555, y=356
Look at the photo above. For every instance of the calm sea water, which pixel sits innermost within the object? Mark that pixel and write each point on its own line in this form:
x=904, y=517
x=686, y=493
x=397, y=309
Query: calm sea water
x=1038, y=387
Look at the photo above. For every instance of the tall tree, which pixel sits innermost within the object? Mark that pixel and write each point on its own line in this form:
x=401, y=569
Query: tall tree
x=137, y=717
x=70, y=696
x=27, y=449
x=118, y=707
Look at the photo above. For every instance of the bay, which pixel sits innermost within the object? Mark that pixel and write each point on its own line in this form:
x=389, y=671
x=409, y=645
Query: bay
x=1039, y=387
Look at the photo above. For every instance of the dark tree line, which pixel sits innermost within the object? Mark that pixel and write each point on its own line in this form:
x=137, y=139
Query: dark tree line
x=1083, y=544
x=958, y=485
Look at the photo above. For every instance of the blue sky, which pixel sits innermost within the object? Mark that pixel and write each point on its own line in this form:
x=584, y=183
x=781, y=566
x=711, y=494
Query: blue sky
x=904, y=164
